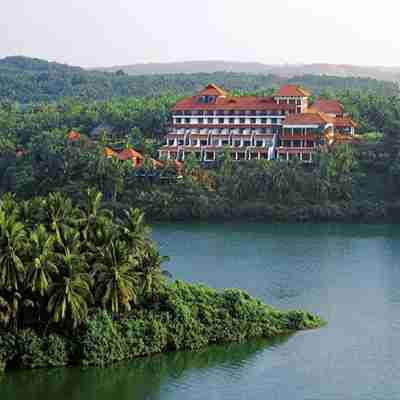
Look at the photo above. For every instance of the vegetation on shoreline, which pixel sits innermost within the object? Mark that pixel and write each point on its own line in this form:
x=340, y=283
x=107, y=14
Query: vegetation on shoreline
x=79, y=285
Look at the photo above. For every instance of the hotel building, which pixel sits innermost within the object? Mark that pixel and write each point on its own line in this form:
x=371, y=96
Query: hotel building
x=283, y=126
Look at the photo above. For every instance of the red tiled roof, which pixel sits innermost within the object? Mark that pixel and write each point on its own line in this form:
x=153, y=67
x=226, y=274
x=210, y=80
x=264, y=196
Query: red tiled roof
x=291, y=91
x=307, y=119
x=73, y=136
x=212, y=90
x=129, y=154
x=327, y=106
x=341, y=122
x=233, y=103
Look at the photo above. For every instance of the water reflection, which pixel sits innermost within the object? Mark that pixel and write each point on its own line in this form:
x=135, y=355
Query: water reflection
x=136, y=379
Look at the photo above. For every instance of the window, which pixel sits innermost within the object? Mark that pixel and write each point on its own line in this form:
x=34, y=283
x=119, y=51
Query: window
x=231, y=120
x=225, y=142
x=287, y=143
x=203, y=142
x=195, y=142
x=241, y=156
x=273, y=120
x=263, y=130
x=187, y=120
x=263, y=120
x=259, y=143
x=242, y=120
x=310, y=143
x=178, y=120
x=298, y=102
x=200, y=120
x=209, y=156
x=297, y=143
x=221, y=120
x=292, y=101
x=210, y=112
x=253, y=120
x=237, y=143
x=181, y=142
x=210, y=120
x=215, y=142
x=306, y=156
x=171, y=142
x=247, y=143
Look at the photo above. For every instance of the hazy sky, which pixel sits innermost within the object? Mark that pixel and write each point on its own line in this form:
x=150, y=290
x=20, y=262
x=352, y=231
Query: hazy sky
x=115, y=32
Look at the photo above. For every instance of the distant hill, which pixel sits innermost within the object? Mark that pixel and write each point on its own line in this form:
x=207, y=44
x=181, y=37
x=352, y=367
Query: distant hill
x=29, y=80
x=284, y=70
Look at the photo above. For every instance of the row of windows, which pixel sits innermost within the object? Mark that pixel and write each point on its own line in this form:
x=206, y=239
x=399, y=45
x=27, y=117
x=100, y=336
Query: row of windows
x=231, y=130
x=220, y=142
x=302, y=131
x=230, y=112
x=227, y=120
x=245, y=143
x=290, y=101
x=296, y=143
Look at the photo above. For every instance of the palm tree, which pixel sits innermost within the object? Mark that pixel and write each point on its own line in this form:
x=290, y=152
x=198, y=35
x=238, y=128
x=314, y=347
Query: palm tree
x=69, y=297
x=60, y=213
x=42, y=266
x=12, y=245
x=116, y=277
x=135, y=231
x=152, y=276
x=91, y=212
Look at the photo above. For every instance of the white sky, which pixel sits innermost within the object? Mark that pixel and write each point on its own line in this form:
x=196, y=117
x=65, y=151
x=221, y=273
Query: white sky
x=115, y=32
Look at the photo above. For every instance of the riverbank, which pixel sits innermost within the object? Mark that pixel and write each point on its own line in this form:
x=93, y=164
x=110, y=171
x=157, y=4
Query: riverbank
x=211, y=209
x=185, y=317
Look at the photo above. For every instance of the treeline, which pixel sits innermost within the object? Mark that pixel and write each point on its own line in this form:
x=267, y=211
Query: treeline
x=27, y=80
x=149, y=118
x=341, y=184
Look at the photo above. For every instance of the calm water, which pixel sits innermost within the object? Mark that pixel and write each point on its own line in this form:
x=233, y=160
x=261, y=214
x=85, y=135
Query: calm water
x=349, y=274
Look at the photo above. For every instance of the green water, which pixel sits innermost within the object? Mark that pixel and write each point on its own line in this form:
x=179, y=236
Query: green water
x=349, y=274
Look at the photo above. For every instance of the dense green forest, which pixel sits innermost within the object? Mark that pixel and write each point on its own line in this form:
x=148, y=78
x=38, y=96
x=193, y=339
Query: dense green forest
x=27, y=80
x=80, y=285
x=36, y=157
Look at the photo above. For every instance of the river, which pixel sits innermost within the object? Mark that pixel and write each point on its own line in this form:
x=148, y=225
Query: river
x=349, y=274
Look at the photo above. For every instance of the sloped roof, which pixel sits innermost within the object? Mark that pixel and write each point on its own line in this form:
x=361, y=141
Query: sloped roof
x=341, y=122
x=74, y=136
x=129, y=154
x=291, y=91
x=327, y=106
x=233, y=103
x=212, y=90
x=307, y=119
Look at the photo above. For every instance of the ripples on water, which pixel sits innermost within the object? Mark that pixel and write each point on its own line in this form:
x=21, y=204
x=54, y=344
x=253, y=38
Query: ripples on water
x=350, y=274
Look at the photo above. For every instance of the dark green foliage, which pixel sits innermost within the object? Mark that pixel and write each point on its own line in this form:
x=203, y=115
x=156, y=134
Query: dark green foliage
x=30, y=81
x=188, y=317
x=27, y=349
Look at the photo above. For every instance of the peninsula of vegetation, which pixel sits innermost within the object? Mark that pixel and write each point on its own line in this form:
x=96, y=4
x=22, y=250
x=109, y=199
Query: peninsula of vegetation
x=80, y=285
